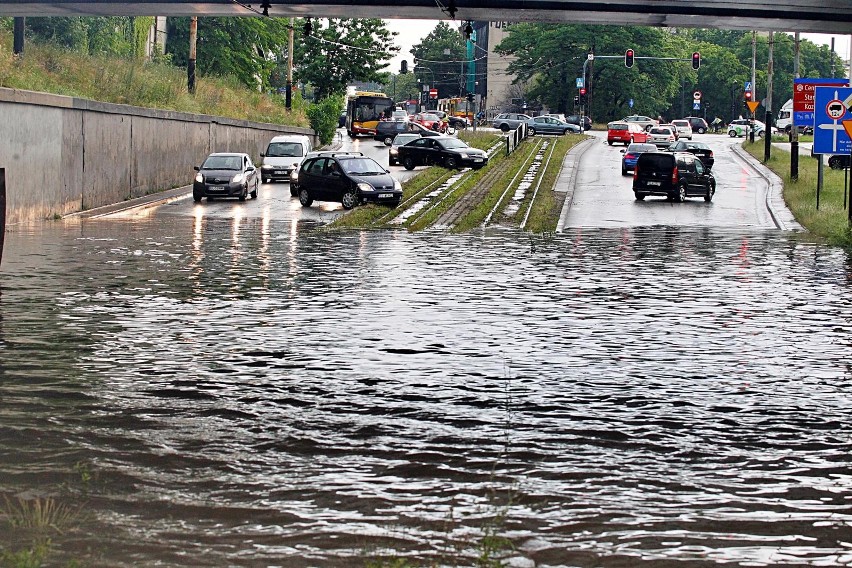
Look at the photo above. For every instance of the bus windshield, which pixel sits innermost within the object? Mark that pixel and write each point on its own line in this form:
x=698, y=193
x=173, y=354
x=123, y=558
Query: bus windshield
x=363, y=112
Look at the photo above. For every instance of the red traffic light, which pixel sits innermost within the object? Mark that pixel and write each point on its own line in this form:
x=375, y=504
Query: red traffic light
x=747, y=95
x=696, y=60
x=628, y=58
x=583, y=91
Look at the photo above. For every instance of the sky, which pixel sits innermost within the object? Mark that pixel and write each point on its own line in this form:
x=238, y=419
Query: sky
x=412, y=32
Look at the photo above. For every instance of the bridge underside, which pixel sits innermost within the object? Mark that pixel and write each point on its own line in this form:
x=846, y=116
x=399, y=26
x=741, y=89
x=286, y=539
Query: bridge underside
x=814, y=16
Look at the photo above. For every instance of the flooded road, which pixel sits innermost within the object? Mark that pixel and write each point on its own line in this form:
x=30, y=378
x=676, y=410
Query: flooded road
x=245, y=392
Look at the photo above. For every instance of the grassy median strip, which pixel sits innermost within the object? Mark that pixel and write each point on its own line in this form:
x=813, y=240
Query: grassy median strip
x=830, y=220
x=547, y=206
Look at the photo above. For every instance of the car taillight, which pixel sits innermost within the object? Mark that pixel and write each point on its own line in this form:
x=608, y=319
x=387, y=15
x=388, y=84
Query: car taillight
x=636, y=171
x=711, y=153
x=629, y=156
x=674, y=176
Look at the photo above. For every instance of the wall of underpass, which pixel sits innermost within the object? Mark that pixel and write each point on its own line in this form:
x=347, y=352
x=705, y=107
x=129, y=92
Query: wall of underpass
x=63, y=154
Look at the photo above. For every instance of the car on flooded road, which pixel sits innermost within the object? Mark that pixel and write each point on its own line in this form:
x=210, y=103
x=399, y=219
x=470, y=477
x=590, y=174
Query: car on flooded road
x=632, y=153
x=225, y=174
x=673, y=175
x=400, y=140
x=443, y=151
x=349, y=178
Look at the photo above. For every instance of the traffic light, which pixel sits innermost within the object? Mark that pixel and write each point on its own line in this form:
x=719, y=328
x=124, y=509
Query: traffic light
x=696, y=60
x=628, y=58
x=470, y=97
x=577, y=100
x=583, y=96
x=403, y=67
x=747, y=96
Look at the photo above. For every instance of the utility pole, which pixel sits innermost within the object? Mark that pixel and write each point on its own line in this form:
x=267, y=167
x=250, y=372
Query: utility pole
x=794, y=130
x=288, y=94
x=190, y=67
x=767, y=136
x=19, y=35
x=753, y=79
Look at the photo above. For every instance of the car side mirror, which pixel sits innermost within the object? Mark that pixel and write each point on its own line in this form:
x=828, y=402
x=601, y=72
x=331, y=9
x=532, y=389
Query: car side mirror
x=262, y=155
x=622, y=150
x=197, y=168
x=249, y=169
x=387, y=171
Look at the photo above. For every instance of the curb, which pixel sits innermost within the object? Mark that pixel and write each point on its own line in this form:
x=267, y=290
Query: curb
x=567, y=180
x=775, y=204
x=150, y=200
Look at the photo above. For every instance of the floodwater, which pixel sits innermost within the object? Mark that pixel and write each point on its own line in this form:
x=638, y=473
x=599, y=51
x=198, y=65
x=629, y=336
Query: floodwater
x=237, y=392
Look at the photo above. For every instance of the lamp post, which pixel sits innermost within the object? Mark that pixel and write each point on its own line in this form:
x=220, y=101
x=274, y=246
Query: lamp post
x=433, y=83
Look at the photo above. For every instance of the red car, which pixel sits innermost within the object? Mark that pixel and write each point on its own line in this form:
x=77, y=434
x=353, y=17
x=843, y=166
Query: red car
x=618, y=132
x=428, y=120
x=638, y=134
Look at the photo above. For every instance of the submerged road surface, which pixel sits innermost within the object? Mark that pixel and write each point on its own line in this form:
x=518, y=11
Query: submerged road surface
x=216, y=387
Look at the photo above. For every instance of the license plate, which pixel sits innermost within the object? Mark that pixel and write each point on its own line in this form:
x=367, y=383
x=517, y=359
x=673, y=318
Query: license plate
x=216, y=188
x=657, y=183
x=280, y=172
x=385, y=195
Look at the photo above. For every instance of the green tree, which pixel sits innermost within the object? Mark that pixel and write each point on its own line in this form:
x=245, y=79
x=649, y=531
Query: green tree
x=245, y=48
x=440, y=59
x=115, y=35
x=342, y=52
x=401, y=87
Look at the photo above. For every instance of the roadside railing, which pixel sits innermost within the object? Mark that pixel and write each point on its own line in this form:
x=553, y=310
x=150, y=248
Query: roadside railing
x=514, y=137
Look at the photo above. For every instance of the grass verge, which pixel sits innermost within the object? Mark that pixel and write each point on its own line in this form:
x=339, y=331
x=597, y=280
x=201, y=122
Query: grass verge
x=137, y=82
x=830, y=220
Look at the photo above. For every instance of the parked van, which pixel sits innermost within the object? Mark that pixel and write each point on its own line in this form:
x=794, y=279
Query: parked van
x=282, y=156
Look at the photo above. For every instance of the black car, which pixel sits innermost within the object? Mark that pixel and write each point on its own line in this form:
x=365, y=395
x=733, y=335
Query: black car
x=349, y=178
x=675, y=175
x=387, y=130
x=225, y=175
x=441, y=151
x=699, y=149
x=575, y=119
x=401, y=139
x=697, y=124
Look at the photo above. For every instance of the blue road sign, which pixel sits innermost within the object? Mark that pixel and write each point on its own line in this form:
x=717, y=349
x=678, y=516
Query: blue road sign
x=630, y=103
x=831, y=108
x=696, y=105
x=580, y=82
x=803, y=97
x=747, y=86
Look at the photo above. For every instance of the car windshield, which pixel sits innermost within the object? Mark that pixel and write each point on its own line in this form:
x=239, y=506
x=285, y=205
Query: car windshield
x=617, y=126
x=660, y=131
x=362, y=167
x=223, y=163
x=284, y=150
x=697, y=146
x=453, y=143
x=429, y=117
x=401, y=139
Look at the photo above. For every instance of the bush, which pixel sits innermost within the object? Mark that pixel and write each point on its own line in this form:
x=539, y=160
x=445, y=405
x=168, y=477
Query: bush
x=323, y=117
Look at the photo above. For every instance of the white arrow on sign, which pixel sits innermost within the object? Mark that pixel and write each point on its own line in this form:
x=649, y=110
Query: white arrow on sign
x=835, y=127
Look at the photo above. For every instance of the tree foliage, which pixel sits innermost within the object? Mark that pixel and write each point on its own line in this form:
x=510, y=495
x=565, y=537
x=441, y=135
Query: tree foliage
x=242, y=47
x=440, y=60
x=342, y=52
x=115, y=35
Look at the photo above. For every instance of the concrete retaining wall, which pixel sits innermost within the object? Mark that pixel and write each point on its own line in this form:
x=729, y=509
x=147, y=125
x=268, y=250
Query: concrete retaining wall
x=64, y=155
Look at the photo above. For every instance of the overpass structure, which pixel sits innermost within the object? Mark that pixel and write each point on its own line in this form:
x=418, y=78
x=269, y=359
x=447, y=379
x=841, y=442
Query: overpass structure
x=810, y=16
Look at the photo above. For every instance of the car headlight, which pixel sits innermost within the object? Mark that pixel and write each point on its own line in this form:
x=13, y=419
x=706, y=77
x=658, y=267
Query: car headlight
x=238, y=178
x=394, y=151
x=199, y=178
x=396, y=185
x=266, y=167
x=364, y=186
x=463, y=155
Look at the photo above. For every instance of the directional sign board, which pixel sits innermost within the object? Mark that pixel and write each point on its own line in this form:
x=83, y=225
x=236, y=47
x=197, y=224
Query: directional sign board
x=580, y=82
x=803, y=97
x=831, y=109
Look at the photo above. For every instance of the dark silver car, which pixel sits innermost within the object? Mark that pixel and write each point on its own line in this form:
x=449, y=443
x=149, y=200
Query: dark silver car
x=225, y=174
x=550, y=125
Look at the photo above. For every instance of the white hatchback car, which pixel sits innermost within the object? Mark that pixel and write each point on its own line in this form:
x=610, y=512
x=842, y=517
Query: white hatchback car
x=684, y=129
x=662, y=136
x=283, y=156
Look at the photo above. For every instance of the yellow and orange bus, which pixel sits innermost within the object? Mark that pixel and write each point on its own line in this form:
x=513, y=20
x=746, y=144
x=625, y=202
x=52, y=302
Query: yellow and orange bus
x=364, y=110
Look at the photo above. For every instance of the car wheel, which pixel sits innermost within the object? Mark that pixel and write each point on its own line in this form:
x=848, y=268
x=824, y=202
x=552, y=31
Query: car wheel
x=639, y=196
x=532, y=131
x=294, y=191
x=709, y=195
x=732, y=133
x=196, y=197
x=504, y=127
x=609, y=142
x=244, y=194
x=408, y=163
x=254, y=193
x=305, y=198
x=702, y=130
x=451, y=130
x=388, y=140
x=350, y=198
x=648, y=128
x=760, y=134
x=451, y=162
x=623, y=171
x=681, y=194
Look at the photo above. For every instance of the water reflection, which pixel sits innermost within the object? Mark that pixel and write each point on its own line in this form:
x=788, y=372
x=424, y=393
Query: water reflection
x=245, y=393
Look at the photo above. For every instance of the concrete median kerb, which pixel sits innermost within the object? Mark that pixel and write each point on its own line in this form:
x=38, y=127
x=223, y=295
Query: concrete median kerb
x=775, y=204
x=567, y=180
